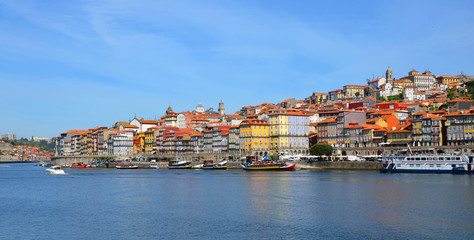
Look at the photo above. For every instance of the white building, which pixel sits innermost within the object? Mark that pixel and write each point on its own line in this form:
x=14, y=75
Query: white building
x=143, y=124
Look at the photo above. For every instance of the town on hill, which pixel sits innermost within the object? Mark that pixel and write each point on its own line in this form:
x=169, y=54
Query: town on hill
x=418, y=110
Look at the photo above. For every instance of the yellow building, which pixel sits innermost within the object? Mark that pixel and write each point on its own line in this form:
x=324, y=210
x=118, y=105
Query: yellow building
x=289, y=133
x=254, y=137
x=149, y=140
x=278, y=133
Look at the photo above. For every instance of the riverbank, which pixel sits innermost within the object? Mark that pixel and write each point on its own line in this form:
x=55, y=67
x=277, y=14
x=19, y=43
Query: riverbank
x=323, y=165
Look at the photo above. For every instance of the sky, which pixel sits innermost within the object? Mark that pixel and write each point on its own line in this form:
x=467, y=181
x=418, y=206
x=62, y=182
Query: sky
x=82, y=64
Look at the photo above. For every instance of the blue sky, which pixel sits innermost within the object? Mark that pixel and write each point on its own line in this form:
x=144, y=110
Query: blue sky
x=81, y=64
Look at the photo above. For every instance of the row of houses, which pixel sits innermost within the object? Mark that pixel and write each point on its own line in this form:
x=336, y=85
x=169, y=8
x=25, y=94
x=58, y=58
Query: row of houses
x=349, y=117
x=280, y=131
x=361, y=129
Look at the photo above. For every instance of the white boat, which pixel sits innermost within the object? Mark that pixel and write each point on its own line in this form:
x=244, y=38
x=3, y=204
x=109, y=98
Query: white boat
x=459, y=164
x=223, y=162
x=55, y=170
x=198, y=166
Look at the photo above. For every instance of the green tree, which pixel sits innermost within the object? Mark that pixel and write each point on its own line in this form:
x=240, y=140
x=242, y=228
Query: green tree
x=357, y=94
x=443, y=106
x=1, y=153
x=470, y=88
x=321, y=149
x=451, y=95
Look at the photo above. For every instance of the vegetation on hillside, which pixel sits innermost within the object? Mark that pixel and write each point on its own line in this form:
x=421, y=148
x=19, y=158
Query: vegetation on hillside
x=42, y=145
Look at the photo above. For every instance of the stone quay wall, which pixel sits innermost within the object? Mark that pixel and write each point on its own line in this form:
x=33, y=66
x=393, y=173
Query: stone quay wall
x=341, y=165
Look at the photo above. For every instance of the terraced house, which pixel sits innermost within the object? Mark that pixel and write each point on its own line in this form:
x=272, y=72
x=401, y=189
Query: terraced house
x=460, y=128
x=289, y=133
x=254, y=137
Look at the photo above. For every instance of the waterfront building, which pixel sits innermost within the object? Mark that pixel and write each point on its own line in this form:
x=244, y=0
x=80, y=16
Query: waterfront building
x=197, y=141
x=120, y=143
x=399, y=137
x=344, y=118
x=460, y=128
x=254, y=137
x=150, y=140
x=234, y=137
x=327, y=131
x=428, y=129
x=289, y=132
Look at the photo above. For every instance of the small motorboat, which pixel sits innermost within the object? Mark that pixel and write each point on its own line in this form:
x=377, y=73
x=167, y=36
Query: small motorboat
x=55, y=170
x=127, y=166
x=80, y=165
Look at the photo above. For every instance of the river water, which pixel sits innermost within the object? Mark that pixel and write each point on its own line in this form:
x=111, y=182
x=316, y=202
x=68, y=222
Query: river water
x=232, y=204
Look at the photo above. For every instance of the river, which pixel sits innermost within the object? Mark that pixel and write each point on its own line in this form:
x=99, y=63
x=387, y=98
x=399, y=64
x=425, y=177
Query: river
x=232, y=204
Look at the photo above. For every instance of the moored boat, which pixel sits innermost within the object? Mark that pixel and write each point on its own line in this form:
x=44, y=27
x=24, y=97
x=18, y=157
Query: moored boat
x=210, y=165
x=457, y=164
x=252, y=163
x=55, y=170
x=80, y=165
x=126, y=166
x=178, y=164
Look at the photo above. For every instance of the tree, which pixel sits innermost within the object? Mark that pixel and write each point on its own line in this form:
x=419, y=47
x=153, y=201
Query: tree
x=357, y=94
x=443, y=106
x=451, y=95
x=321, y=149
x=1, y=153
x=470, y=88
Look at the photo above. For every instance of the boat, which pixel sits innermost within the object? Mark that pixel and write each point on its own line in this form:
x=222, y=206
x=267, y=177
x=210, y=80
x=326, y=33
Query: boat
x=55, y=170
x=80, y=165
x=154, y=166
x=126, y=166
x=210, y=165
x=199, y=166
x=252, y=163
x=178, y=164
x=456, y=164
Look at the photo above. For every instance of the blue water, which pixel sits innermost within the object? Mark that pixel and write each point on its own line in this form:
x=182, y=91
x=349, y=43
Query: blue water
x=232, y=204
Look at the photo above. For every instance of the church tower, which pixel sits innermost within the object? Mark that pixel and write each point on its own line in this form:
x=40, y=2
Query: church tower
x=221, y=109
x=169, y=110
x=389, y=75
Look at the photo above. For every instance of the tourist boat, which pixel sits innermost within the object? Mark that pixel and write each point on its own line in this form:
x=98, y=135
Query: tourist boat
x=178, y=164
x=126, y=166
x=252, y=163
x=55, y=170
x=458, y=164
x=210, y=165
x=80, y=165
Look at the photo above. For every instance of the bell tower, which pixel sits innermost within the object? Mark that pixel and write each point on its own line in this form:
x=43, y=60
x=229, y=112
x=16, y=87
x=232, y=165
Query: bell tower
x=221, y=109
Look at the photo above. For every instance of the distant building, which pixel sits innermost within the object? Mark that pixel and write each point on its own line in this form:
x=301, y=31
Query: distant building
x=8, y=136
